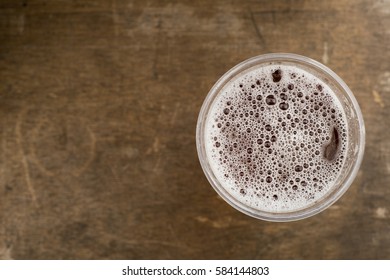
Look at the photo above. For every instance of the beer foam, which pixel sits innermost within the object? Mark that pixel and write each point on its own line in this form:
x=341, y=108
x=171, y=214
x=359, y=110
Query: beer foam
x=276, y=138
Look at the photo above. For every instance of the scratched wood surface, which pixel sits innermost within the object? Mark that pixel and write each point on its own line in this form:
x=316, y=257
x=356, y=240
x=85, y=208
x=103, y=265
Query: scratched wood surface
x=98, y=106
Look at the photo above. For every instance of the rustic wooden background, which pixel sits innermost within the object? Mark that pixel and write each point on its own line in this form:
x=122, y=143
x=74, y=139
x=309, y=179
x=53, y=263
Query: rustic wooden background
x=98, y=107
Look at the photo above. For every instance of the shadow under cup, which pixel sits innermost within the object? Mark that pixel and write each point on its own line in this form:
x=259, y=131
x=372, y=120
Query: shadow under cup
x=355, y=135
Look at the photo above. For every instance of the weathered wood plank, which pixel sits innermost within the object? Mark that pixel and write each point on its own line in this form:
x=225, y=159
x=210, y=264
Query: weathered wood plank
x=98, y=107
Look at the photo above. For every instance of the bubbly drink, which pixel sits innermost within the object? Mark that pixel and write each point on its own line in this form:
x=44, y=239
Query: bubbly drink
x=276, y=138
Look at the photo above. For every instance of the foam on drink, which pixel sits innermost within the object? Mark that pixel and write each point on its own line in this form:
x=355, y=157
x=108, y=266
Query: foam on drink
x=276, y=138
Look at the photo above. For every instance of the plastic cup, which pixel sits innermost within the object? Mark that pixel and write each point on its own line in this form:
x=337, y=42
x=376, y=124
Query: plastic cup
x=355, y=135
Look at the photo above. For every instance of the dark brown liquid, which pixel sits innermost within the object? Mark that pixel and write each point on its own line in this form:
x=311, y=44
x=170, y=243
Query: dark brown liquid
x=331, y=149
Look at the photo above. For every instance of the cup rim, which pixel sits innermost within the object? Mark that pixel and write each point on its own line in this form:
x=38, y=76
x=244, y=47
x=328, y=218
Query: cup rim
x=253, y=212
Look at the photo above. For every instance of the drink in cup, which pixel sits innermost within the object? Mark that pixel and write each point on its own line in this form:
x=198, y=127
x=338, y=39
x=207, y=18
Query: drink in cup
x=280, y=137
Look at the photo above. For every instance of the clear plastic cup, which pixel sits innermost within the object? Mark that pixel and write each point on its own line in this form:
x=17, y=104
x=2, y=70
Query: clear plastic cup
x=355, y=125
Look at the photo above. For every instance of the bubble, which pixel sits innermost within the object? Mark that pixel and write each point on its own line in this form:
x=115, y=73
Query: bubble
x=277, y=76
x=270, y=100
x=283, y=106
x=298, y=168
x=333, y=146
x=226, y=111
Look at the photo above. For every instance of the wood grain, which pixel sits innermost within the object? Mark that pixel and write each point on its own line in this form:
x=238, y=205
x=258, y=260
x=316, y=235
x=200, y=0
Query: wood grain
x=98, y=108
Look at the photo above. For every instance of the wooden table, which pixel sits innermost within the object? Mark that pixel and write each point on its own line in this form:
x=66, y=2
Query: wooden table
x=98, y=107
